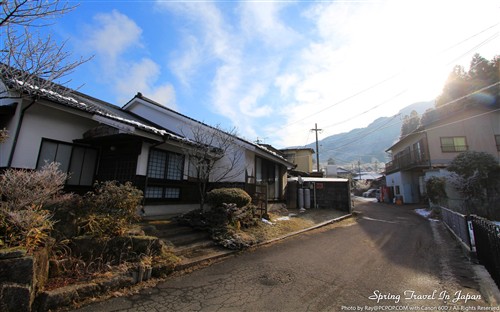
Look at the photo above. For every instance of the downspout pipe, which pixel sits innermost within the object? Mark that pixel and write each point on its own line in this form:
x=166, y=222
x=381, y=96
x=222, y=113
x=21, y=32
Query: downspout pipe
x=18, y=130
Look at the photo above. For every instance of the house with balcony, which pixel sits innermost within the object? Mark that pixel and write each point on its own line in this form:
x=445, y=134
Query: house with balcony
x=143, y=142
x=428, y=150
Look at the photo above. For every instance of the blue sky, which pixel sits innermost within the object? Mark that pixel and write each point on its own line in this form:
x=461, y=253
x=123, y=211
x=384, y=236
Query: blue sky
x=273, y=69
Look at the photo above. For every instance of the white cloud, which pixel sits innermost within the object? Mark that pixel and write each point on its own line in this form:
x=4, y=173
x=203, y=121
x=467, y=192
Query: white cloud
x=141, y=76
x=213, y=44
x=261, y=21
x=285, y=83
x=323, y=66
x=249, y=103
x=116, y=40
x=357, y=45
x=184, y=65
x=112, y=34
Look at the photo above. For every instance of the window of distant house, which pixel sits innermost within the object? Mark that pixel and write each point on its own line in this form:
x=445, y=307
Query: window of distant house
x=453, y=144
x=163, y=168
x=497, y=140
x=78, y=161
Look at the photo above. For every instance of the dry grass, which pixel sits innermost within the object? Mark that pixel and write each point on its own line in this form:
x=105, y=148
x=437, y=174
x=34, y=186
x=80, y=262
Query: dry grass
x=263, y=231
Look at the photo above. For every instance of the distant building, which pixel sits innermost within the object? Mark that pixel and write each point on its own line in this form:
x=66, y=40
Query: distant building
x=367, y=176
x=331, y=171
x=343, y=173
x=301, y=157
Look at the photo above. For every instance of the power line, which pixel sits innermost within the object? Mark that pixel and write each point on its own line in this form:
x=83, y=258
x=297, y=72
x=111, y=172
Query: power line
x=443, y=105
x=400, y=72
x=404, y=91
x=368, y=110
x=446, y=104
x=457, y=121
x=365, y=134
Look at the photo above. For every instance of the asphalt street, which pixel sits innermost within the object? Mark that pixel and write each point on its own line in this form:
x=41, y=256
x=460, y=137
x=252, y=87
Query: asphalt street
x=386, y=258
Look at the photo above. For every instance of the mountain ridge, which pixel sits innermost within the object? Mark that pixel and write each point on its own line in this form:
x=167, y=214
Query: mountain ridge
x=367, y=144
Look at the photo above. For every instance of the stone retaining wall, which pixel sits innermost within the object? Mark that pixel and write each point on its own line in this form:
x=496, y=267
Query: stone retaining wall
x=22, y=276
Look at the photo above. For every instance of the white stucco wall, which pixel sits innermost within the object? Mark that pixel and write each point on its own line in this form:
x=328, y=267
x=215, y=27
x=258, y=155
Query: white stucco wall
x=41, y=122
x=479, y=131
x=408, y=185
x=162, y=117
x=185, y=126
x=142, y=160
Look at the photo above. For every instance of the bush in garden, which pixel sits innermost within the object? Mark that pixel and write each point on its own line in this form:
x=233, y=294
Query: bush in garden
x=435, y=189
x=470, y=163
x=470, y=171
x=110, y=209
x=231, y=210
x=236, y=196
x=24, y=221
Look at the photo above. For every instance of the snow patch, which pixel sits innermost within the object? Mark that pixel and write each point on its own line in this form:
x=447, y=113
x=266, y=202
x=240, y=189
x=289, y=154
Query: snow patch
x=286, y=218
x=267, y=222
x=425, y=213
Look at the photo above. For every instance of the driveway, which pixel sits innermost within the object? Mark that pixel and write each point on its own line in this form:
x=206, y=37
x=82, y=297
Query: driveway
x=387, y=256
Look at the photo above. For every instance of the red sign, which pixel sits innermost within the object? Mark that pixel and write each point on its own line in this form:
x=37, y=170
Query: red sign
x=319, y=186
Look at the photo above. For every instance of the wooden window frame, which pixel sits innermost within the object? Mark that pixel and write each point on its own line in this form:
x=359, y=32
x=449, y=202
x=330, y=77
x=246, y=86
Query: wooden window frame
x=40, y=162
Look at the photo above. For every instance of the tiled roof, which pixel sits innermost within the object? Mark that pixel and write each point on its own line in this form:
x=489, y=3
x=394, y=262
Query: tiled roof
x=88, y=104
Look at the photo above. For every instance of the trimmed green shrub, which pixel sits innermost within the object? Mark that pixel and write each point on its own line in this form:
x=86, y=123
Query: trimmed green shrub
x=236, y=196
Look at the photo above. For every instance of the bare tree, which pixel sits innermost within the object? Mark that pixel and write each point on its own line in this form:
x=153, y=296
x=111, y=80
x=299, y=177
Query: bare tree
x=29, y=61
x=214, y=157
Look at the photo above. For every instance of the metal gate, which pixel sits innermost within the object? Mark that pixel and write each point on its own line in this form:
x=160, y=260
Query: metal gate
x=487, y=238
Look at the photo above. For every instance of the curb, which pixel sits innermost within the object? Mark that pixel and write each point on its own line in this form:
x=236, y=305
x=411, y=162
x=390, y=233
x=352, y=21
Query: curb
x=64, y=296
x=232, y=252
x=317, y=226
x=487, y=286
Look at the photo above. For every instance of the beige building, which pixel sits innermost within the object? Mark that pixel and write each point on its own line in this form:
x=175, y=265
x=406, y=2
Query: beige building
x=427, y=151
x=301, y=157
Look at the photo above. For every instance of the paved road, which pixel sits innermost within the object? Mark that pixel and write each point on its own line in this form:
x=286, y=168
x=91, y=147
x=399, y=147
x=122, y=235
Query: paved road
x=388, y=256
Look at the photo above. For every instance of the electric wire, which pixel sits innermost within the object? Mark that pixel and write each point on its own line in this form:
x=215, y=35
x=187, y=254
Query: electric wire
x=445, y=104
x=402, y=71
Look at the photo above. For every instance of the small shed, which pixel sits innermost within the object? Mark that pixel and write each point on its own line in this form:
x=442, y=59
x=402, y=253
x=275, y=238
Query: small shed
x=319, y=193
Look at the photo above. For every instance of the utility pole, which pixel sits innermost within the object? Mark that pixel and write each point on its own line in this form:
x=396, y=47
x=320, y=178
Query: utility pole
x=317, y=148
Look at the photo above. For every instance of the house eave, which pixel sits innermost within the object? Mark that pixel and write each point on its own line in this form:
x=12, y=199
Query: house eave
x=261, y=151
